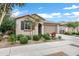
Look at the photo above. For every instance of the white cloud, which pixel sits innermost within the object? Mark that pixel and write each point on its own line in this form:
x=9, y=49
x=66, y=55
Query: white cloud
x=56, y=14
x=66, y=14
x=17, y=12
x=72, y=7
x=45, y=15
x=51, y=15
x=75, y=13
x=40, y=7
x=72, y=14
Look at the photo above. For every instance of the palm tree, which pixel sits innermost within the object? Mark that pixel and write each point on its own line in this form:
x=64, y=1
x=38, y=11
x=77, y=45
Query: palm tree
x=6, y=8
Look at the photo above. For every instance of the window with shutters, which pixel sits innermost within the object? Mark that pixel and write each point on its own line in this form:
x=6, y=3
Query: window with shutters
x=25, y=25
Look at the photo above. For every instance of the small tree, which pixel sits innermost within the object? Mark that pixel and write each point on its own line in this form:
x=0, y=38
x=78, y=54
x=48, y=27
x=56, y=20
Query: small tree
x=8, y=24
x=6, y=8
x=73, y=25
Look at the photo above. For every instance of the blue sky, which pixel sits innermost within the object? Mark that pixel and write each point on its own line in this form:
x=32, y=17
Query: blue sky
x=55, y=12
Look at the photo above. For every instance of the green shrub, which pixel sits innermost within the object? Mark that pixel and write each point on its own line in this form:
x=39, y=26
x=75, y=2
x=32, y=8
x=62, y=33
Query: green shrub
x=19, y=36
x=23, y=40
x=77, y=33
x=40, y=36
x=46, y=37
x=36, y=37
x=29, y=37
x=59, y=37
x=10, y=32
x=1, y=38
x=1, y=34
x=67, y=33
x=12, y=39
x=73, y=33
x=53, y=37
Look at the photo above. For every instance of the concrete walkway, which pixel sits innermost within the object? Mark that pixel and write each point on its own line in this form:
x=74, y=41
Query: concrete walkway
x=41, y=49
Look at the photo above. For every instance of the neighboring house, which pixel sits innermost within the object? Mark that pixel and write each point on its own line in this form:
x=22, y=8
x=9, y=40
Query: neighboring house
x=41, y=25
x=63, y=28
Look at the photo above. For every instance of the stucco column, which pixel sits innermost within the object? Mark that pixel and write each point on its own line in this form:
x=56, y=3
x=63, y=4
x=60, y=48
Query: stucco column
x=36, y=29
x=42, y=28
x=58, y=29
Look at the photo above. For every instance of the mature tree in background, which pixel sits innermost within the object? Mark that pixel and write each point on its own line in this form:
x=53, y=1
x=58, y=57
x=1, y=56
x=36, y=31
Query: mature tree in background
x=6, y=8
x=73, y=25
x=8, y=25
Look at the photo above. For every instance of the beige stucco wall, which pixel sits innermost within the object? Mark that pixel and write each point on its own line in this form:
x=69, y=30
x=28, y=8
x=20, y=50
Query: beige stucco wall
x=18, y=27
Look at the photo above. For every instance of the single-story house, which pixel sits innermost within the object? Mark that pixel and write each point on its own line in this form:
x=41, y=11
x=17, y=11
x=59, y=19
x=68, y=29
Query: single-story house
x=41, y=26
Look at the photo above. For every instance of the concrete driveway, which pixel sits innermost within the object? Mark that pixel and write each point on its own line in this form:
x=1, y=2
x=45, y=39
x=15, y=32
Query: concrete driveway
x=41, y=49
x=69, y=38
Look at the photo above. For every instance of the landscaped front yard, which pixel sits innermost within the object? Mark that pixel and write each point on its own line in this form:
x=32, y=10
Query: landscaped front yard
x=12, y=40
x=72, y=33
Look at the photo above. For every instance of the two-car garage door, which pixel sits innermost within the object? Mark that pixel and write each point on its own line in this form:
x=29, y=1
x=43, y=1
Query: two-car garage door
x=50, y=28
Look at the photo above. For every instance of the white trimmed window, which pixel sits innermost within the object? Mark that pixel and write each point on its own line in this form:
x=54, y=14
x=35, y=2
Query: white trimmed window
x=25, y=25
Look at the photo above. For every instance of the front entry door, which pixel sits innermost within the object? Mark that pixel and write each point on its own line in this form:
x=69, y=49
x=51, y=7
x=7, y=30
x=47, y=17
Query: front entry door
x=39, y=28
